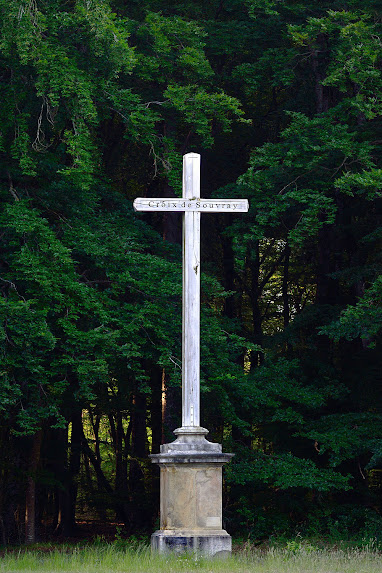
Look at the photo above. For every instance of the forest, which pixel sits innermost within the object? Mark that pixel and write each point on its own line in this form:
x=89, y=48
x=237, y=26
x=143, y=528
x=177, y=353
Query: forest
x=100, y=99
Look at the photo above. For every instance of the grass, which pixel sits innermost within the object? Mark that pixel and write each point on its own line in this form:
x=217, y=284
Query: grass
x=295, y=557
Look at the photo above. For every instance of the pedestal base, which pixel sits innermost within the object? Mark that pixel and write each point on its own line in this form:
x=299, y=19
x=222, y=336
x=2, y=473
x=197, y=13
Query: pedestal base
x=191, y=495
x=212, y=544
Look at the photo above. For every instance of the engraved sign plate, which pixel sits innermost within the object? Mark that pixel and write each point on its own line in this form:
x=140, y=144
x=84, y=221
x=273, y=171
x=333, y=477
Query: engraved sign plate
x=195, y=204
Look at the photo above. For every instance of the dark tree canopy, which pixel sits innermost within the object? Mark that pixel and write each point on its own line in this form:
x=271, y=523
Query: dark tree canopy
x=100, y=100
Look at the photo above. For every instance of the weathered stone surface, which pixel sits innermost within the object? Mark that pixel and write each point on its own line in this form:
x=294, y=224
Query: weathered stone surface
x=191, y=495
x=191, y=446
x=213, y=544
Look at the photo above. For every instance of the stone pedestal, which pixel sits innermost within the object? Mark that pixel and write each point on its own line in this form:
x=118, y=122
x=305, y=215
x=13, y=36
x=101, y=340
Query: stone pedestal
x=191, y=495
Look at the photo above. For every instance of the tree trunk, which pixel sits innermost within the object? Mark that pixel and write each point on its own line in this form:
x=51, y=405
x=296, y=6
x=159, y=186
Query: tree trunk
x=156, y=407
x=255, y=292
x=319, y=72
x=10, y=487
x=327, y=287
x=157, y=380
x=69, y=495
x=171, y=409
x=230, y=306
x=59, y=465
x=121, y=485
x=138, y=516
x=285, y=294
x=30, y=496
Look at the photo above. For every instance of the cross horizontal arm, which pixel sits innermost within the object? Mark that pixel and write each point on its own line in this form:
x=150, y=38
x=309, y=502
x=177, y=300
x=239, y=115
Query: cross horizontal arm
x=183, y=205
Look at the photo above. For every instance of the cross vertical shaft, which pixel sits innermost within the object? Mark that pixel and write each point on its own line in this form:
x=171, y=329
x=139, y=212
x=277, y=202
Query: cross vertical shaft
x=191, y=205
x=191, y=296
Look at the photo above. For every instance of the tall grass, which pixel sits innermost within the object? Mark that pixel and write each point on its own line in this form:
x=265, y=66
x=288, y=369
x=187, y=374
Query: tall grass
x=109, y=558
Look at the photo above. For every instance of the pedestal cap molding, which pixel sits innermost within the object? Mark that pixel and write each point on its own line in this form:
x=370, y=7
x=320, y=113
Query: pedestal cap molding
x=191, y=446
x=191, y=458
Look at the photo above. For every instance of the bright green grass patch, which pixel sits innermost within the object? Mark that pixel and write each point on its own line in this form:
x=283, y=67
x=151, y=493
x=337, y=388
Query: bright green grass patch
x=298, y=558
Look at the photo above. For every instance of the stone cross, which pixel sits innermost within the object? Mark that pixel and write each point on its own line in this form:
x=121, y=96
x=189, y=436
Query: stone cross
x=191, y=205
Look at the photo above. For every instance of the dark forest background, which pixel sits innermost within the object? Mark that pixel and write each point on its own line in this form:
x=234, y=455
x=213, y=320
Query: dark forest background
x=99, y=101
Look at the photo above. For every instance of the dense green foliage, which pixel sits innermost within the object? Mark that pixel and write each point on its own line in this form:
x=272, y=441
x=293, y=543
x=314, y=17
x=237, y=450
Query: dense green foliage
x=100, y=100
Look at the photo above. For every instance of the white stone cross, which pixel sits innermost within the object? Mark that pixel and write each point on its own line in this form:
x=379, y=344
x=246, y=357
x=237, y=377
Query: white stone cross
x=191, y=205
